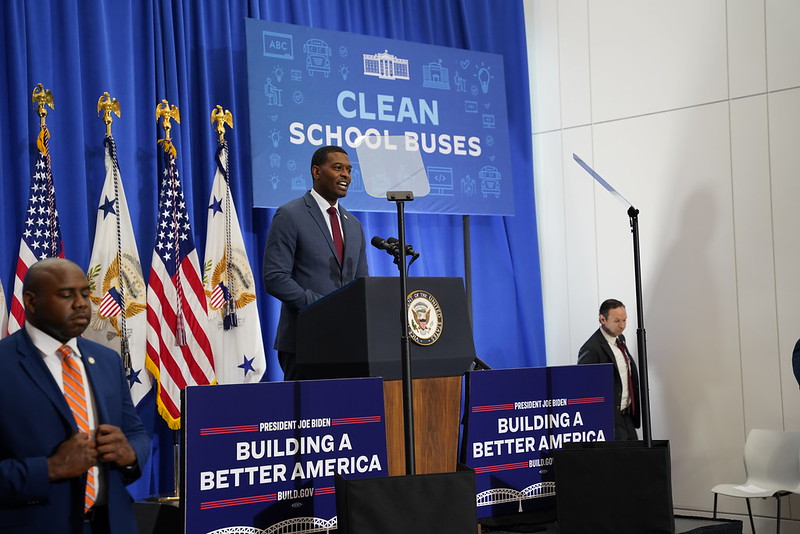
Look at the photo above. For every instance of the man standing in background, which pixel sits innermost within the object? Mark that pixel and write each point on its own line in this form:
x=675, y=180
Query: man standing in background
x=607, y=345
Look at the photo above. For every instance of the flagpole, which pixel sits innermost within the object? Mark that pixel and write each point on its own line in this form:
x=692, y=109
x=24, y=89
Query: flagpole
x=166, y=112
x=41, y=237
x=222, y=117
x=106, y=106
x=44, y=97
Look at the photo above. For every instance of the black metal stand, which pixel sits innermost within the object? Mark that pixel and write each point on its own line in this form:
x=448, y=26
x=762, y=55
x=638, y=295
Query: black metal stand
x=467, y=263
x=641, y=338
x=405, y=349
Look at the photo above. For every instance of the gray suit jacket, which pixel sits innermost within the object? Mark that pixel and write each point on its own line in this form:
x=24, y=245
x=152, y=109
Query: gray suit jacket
x=300, y=264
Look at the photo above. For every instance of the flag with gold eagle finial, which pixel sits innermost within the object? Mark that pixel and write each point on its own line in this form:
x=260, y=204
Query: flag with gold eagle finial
x=230, y=288
x=118, y=291
x=179, y=351
x=41, y=237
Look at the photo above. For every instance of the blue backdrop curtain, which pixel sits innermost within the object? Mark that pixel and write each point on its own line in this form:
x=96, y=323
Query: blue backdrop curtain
x=192, y=53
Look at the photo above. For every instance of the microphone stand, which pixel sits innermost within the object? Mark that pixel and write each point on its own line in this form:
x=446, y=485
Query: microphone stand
x=641, y=340
x=405, y=349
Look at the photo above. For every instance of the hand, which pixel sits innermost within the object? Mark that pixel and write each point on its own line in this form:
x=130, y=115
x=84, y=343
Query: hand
x=113, y=446
x=73, y=457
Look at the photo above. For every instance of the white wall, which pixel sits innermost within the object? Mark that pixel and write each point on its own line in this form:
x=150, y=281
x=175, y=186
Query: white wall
x=690, y=109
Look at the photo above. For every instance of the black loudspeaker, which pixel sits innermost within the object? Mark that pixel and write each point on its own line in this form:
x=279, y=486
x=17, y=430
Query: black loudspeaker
x=423, y=504
x=614, y=487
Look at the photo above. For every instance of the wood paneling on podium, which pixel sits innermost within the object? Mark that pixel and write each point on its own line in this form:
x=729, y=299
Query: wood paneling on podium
x=437, y=408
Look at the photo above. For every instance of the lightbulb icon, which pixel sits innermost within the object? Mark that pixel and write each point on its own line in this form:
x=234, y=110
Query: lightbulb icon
x=484, y=76
x=275, y=137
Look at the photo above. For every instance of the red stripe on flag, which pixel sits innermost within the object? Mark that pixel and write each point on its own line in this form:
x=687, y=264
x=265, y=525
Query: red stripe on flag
x=108, y=306
x=159, y=317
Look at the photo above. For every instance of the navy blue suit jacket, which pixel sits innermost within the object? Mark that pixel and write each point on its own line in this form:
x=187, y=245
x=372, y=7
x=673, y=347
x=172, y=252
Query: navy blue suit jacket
x=300, y=264
x=596, y=350
x=35, y=419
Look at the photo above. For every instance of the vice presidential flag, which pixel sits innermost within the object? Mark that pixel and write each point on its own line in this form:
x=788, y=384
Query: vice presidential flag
x=179, y=351
x=230, y=287
x=118, y=291
x=41, y=237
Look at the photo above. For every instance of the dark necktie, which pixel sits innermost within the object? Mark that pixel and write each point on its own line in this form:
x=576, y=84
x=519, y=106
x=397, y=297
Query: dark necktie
x=337, y=234
x=626, y=355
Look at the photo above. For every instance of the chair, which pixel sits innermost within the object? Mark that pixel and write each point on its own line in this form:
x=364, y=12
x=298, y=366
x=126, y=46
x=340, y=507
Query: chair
x=772, y=466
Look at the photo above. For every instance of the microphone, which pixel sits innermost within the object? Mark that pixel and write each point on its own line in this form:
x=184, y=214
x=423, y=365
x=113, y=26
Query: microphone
x=409, y=249
x=385, y=244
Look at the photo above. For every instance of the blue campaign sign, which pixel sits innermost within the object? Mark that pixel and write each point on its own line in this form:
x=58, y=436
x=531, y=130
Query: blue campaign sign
x=516, y=419
x=263, y=456
x=309, y=87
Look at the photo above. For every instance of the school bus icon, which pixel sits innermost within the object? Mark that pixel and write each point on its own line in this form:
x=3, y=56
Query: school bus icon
x=318, y=55
x=490, y=181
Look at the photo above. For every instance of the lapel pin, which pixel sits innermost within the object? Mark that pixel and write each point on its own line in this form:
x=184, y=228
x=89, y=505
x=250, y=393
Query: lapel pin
x=91, y=360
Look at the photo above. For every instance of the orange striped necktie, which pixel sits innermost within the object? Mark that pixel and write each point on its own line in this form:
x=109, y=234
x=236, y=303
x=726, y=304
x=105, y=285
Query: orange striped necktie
x=75, y=395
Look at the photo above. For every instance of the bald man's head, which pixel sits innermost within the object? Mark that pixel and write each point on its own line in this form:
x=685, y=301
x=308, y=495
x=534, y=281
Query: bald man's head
x=55, y=293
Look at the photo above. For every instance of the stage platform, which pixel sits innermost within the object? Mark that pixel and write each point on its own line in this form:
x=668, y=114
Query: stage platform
x=683, y=525
x=164, y=518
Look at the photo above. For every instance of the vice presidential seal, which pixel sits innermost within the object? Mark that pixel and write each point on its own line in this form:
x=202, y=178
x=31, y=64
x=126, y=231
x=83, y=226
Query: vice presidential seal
x=424, y=318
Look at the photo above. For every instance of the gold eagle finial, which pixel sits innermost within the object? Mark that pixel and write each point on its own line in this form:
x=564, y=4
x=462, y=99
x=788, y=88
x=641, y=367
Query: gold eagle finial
x=221, y=117
x=107, y=106
x=42, y=97
x=167, y=113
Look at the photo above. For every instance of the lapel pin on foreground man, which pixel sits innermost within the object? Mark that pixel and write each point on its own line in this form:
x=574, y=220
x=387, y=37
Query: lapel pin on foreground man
x=70, y=437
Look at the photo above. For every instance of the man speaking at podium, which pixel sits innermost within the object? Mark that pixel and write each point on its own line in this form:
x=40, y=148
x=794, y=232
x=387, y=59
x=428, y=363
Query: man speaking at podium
x=314, y=246
x=607, y=345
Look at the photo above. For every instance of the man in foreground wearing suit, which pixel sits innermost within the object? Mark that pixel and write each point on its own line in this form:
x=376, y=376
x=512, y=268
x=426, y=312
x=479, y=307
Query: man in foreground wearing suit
x=70, y=438
x=314, y=246
x=607, y=345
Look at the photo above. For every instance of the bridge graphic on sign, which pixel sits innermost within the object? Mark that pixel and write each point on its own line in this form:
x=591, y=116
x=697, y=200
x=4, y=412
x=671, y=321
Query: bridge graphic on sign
x=304, y=525
x=504, y=495
x=237, y=530
x=296, y=525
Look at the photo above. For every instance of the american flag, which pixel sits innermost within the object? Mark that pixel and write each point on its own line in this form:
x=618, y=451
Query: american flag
x=179, y=352
x=42, y=235
x=219, y=296
x=111, y=304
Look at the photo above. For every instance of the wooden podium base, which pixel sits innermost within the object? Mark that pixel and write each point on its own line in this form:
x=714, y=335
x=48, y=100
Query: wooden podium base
x=437, y=408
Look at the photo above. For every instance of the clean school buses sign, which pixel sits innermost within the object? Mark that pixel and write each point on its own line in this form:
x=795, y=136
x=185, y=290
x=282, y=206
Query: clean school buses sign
x=309, y=87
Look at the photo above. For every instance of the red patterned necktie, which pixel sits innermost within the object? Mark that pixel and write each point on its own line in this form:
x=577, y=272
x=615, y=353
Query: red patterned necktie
x=625, y=355
x=75, y=395
x=337, y=234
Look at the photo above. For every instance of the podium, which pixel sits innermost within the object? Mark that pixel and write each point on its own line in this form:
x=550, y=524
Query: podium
x=355, y=332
